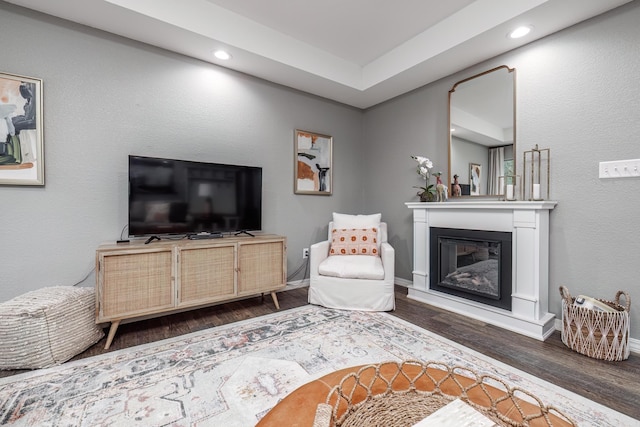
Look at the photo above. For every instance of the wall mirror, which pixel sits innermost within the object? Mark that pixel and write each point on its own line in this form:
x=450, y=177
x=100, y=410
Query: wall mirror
x=482, y=139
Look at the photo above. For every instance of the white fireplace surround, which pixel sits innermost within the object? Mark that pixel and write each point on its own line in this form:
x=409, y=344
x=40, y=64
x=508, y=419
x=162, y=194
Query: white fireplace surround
x=529, y=224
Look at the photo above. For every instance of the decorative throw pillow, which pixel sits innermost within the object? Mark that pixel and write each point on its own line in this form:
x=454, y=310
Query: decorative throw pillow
x=356, y=221
x=354, y=241
x=347, y=221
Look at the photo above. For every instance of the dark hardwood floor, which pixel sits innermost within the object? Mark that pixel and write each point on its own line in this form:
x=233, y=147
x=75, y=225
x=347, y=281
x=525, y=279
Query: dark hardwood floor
x=613, y=384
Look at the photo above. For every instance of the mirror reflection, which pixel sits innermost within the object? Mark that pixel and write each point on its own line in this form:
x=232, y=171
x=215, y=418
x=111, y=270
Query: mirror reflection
x=482, y=133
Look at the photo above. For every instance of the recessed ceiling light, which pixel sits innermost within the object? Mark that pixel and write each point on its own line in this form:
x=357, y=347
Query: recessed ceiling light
x=221, y=54
x=519, y=32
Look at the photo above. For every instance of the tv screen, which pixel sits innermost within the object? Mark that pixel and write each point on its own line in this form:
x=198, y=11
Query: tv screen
x=169, y=196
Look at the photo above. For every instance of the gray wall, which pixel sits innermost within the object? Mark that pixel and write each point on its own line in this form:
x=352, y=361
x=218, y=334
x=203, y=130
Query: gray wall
x=578, y=93
x=107, y=97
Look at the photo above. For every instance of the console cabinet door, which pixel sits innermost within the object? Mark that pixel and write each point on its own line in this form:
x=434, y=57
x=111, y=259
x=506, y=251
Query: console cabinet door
x=206, y=274
x=135, y=282
x=261, y=266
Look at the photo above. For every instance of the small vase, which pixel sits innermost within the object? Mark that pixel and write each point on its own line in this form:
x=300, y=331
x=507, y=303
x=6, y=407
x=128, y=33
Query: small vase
x=425, y=196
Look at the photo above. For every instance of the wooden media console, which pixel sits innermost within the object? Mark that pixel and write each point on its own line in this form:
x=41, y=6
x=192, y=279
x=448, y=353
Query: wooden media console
x=135, y=280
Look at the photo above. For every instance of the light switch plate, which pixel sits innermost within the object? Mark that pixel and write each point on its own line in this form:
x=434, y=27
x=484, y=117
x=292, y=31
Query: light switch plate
x=620, y=169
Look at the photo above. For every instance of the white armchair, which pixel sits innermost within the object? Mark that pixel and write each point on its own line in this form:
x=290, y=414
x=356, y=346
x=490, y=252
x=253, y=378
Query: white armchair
x=350, y=281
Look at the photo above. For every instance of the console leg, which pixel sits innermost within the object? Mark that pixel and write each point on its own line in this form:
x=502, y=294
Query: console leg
x=112, y=333
x=275, y=300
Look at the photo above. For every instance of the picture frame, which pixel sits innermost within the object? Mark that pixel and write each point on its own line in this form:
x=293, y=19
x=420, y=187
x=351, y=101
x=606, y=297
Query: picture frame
x=21, y=130
x=313, y=163
x=475, y=179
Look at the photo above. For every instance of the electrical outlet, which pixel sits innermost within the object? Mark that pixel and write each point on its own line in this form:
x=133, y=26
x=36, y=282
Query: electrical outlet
x=305, y=253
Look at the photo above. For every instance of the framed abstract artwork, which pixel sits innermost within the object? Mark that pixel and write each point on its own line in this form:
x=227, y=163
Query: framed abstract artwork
x=21, y=141
x=475, y=179
x=313, y=163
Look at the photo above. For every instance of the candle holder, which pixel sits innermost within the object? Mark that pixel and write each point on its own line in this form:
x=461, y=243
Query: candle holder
x=509, y=185
x=536, y=181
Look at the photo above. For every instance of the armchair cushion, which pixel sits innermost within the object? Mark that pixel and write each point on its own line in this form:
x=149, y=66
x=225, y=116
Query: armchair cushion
x=354, y=241
x=352, y=267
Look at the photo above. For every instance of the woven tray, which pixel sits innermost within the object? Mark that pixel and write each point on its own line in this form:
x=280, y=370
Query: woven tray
x=596, y=334
x=401, y=394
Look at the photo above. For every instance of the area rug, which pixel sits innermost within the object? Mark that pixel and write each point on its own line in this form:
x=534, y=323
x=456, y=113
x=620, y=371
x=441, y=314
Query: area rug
x=232, y=375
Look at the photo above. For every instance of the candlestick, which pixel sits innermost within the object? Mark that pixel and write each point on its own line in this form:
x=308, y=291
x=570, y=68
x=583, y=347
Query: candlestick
x=536, y=191
x=509, y=191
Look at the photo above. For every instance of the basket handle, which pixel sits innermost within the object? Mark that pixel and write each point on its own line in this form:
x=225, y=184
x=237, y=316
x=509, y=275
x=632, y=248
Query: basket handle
x=564, y=293
x=627, y=298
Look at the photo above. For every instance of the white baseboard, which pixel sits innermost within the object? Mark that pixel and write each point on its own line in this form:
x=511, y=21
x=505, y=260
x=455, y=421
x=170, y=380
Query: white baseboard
x=296, y=284
x=403, y=282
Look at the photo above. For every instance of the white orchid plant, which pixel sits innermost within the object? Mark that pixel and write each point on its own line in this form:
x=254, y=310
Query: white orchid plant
x=424, y=170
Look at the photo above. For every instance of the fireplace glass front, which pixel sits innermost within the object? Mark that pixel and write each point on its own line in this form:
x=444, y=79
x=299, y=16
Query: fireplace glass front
x=472, y=264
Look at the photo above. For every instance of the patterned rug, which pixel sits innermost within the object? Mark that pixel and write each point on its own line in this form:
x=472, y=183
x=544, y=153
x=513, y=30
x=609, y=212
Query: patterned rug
x=232, y=375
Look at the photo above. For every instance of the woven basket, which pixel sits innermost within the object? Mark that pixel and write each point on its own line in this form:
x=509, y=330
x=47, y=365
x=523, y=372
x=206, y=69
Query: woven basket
x=596, y=334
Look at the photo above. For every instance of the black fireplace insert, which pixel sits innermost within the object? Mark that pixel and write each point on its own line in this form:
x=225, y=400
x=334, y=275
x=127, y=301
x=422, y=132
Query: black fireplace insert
x=472, y=264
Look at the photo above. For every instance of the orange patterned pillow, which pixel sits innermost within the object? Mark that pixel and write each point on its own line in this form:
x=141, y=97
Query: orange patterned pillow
x=354, y=241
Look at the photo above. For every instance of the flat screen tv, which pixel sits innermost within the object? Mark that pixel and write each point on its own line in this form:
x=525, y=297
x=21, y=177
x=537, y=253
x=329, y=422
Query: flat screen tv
x=168, y=196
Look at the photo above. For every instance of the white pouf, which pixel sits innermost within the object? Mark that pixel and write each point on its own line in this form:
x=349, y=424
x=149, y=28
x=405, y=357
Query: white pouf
x=47, y=327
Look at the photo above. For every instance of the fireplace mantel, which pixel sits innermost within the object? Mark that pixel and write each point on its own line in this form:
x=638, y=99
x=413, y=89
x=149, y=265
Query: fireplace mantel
x=529, y=224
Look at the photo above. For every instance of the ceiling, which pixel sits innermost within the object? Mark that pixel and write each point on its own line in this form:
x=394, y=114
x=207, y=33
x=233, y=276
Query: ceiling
x=357, y=52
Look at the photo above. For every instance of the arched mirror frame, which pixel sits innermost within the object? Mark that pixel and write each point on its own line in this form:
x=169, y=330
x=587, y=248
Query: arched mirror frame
x=512, y=72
